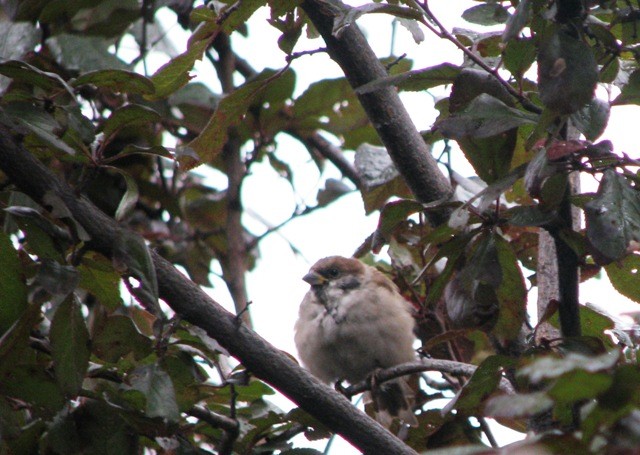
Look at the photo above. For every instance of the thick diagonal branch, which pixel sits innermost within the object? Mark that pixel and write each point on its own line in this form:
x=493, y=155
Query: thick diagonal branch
x=388, y=115
x=194, y=305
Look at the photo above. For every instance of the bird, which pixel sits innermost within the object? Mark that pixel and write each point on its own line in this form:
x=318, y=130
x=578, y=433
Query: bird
x=353, y=322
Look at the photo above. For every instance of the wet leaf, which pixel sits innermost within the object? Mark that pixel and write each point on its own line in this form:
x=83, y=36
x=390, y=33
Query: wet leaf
x=417, y=80
x=567, y=72
x=613, y=217
x=69, y=346
x=623, y=275
x=12, y=285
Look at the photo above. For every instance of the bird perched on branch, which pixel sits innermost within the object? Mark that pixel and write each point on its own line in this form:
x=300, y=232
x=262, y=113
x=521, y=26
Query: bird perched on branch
x=353, y=322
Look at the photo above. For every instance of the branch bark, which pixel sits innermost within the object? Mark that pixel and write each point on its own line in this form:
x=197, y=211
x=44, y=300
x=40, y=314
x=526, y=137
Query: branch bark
x=195, y=306
x=388, y=115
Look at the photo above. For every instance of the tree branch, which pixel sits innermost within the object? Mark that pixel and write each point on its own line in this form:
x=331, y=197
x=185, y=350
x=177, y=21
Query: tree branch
x=388, y=115
x=194, y=305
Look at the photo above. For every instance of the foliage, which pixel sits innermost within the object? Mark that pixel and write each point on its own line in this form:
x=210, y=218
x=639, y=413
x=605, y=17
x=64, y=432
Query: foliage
x=92, y=360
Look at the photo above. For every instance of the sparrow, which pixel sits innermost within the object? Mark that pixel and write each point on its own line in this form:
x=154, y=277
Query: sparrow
x=353, y=322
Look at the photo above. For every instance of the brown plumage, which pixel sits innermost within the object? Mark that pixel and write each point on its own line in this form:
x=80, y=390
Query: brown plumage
x=352, y=322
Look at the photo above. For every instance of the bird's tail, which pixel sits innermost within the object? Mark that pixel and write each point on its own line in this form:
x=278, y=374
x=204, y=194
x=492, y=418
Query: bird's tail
x=393, y=399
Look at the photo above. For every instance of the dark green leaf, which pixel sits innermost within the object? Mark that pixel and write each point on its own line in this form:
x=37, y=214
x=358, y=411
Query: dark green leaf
x=348, y=16
x=567, y=72
x=230, y=112
x=623, y=275
x=156, y=386
x=23, y=72
x=118, y=81
x=517, y=406
x=519, y=55
x=12, y=285
x=485, y=116
x=69, y=346
x=118, y=337
x=486, y=14
x=481, y=384
x=529, y=216
x=36, y=120
x=554, y=367
x=44, y=238
x=417, y=80
x=131, y=256
x=591, y=385
x=130, y=196
x=131, y=114
x=56, y=279
x=630, y=93
x=613, y=217
x=83, y=53
x=592, y=119
x=98, y=277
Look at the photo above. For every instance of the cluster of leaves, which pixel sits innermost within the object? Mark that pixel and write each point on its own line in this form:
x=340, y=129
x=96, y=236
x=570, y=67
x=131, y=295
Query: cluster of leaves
x=83, y=370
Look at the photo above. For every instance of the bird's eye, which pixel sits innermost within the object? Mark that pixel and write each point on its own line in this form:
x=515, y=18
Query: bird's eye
x=333, y=272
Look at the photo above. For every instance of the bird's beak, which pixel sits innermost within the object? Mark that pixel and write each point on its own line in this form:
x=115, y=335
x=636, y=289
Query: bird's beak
x=314, y=279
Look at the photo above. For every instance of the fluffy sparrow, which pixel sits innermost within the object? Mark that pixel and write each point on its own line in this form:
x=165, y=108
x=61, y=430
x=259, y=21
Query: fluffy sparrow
x=352, y=322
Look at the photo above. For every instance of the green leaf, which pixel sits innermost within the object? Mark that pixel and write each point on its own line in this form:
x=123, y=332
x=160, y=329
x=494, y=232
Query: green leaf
x=83, y=53
x=23, y=72
x=130, y=196
x=553, y=367
x=348, y=16
x=613, y=217
x=481, y=384
x=69, y=346
x=131, y=256
x=118, y=81
x=99, y=278
x=485, y=116
x=36, y=120
x=511, y=293
x=567, y=72
x=128, y=115
x=230, y=112
x=117, y=337
x=623, y=275
x=414, y=81
x=630, y=93
x=564, y=390
x=44, y=238
x=486, y=14
x=519, y=55
x=592, y=119
x=518, y=20
x=156, y=386
x=57, y=280
x=12, y=285
x=517, y=406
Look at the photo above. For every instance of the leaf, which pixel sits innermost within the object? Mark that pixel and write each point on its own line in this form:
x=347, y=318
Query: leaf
x=564, y=390
x=131, y=256
x=481, y=384
x=117, y=337
x=485, y=116
x=592, y=119
x=83, y=53
x=518, y=20
x=487, y=14
x=519, y=55
x=18, y=38
x=12, y=285
x=117, y=80
x=57, y=280
x=414, y=81
x=333, y=189
x=613, y=217
x=517, y=406
x=156, y=386
x=24, y=72
x=130, y=196
x=567, y=72
x=36, y=120
x=230, y=112
x=69, y=346
x=623, y=275
x=554, y=367
x=99, y=278
x=45, y=239
x=630, y=92
x=347, y=16
x=126, y=116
